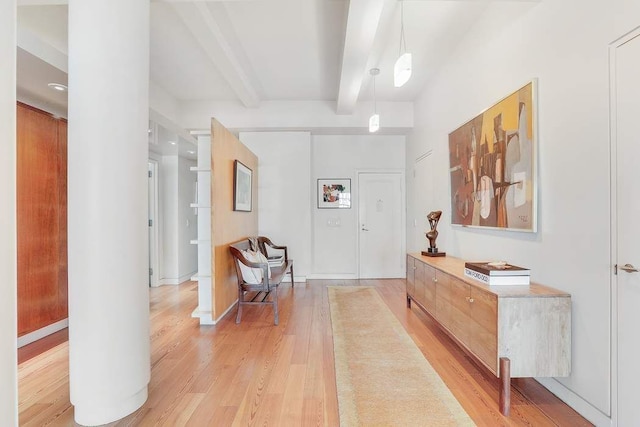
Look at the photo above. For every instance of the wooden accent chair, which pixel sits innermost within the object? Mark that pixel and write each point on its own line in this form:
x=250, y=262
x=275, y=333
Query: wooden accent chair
x=254, y=281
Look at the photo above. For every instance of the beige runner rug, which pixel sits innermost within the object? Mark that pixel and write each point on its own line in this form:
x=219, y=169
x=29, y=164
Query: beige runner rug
x=382, y=377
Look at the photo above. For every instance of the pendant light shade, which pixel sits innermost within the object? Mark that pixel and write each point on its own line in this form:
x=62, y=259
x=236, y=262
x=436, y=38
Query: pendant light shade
x=374, y=120
x=402, y=70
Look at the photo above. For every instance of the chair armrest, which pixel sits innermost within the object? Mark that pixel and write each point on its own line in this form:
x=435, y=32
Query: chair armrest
x=268, y=241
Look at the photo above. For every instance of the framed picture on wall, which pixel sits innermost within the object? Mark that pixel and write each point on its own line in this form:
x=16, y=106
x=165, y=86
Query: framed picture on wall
x=493, y=165
x=241, y=187
x=334, y=193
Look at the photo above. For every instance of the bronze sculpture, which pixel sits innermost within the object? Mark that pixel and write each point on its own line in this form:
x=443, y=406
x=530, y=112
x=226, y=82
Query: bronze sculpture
x=433, y=218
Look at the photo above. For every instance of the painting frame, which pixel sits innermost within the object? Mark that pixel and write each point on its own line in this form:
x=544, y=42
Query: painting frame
x=334, y=193
x=493, y=165
x=242, y=187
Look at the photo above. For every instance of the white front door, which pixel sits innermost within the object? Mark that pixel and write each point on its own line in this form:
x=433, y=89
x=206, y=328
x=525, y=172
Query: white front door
x=381, y=225
x=626, y=143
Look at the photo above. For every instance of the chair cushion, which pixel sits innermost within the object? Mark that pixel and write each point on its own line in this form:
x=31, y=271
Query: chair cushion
x=253, y=275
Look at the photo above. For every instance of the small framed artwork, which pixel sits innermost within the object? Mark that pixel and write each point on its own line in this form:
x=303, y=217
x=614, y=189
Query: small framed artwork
x=241, y=187
x=334, y=193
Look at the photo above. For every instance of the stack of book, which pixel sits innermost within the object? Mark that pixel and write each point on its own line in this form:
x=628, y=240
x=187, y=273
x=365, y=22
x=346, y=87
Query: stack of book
x=497, y=273
x=275, y=261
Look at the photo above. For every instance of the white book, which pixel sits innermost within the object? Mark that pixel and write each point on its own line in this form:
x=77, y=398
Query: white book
x=497, y=280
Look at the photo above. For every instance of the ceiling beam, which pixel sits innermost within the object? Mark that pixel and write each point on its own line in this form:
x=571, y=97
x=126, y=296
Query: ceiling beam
x=35, y=45
x=208, y=33
x=59, y=2
x=363, y=19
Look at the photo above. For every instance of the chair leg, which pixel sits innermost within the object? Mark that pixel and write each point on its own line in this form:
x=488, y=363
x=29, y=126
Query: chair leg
x=292, y=275
x=275, y=305
x=240, y=298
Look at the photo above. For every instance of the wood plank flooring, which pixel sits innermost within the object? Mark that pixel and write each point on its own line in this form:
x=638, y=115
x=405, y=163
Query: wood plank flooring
x=256, y=373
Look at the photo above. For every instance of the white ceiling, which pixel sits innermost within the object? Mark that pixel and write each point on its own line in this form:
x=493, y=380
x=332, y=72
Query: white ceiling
x=252, y=51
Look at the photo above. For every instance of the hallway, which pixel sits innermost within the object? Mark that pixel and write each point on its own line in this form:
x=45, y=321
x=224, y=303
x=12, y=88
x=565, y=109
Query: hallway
x=242, y=374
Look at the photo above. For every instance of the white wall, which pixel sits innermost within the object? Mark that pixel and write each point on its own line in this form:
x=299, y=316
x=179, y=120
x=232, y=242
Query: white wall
x=179, y=227
x=563, y=44
x=284, y=162
x=169, y=202
x=8, y=286
x=335, y=247
x=187, y=220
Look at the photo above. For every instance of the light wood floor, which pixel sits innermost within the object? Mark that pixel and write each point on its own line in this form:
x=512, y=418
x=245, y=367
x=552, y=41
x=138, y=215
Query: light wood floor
x=256, y=373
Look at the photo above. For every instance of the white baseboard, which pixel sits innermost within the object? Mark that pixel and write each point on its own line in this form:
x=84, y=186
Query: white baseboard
x=42, y=332
x=226, y=311
x=296, y=279
x=581, y=406
x=177, y=281
x=330, y=276
x=206, y=317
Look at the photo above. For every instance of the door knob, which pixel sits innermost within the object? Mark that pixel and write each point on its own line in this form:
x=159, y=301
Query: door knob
x=364, y=229
x=629, y=268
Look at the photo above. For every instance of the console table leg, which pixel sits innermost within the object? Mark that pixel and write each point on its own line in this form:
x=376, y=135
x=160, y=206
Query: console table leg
x=408, y=301
x=505, y=386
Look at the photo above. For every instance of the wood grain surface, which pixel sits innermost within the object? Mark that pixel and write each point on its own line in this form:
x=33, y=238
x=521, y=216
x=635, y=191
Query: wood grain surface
x=228, y=226
x=256, y=373
x=41, y=218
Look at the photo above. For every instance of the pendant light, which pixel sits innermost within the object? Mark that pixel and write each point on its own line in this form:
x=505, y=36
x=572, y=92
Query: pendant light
x=402, y=68
x=374, y=120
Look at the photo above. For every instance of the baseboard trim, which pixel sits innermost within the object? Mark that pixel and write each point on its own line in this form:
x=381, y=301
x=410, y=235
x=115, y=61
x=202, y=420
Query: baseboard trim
x=330, y=276
x=42, y=332
x=205, y=317
x=179, y=280
x=296, y=279
x=581, y=406
x=226, y=311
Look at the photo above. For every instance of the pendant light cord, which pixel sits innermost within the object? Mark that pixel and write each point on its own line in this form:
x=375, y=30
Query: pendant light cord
x=375, y=108
x=403, y=42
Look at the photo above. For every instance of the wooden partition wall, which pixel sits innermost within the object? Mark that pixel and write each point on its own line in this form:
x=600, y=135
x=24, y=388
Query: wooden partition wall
x=42, y=219
x=228, y=226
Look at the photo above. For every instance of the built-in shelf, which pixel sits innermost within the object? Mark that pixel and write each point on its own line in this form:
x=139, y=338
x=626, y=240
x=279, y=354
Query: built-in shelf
x=202, y=204
x=199, y=241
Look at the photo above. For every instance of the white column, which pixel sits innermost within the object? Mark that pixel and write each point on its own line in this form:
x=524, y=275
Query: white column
x=109, y=358
x=8, y=283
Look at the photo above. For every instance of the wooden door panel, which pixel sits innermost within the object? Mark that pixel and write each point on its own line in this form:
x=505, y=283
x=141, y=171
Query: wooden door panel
x=419, y=281
x=430, y=289
x=484, y=310
x=63, y=296
x=452, y=305
x=41, y=224
x=411, y=287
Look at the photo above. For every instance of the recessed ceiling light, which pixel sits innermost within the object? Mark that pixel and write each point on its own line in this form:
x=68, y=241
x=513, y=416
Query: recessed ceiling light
x=58, y=86
x=172, y=142
x=191, y=152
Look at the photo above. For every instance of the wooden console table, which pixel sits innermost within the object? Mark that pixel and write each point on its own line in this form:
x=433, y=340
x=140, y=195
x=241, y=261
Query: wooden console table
x=514, y=331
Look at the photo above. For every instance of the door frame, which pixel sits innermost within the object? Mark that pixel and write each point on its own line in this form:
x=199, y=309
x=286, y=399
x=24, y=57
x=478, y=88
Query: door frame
x=613, y=153
x=154, y=240
x=403, y=210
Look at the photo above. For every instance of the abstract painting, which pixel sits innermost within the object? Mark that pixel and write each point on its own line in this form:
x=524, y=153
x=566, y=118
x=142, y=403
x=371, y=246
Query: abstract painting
x=492, y=162
x=334, y=193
